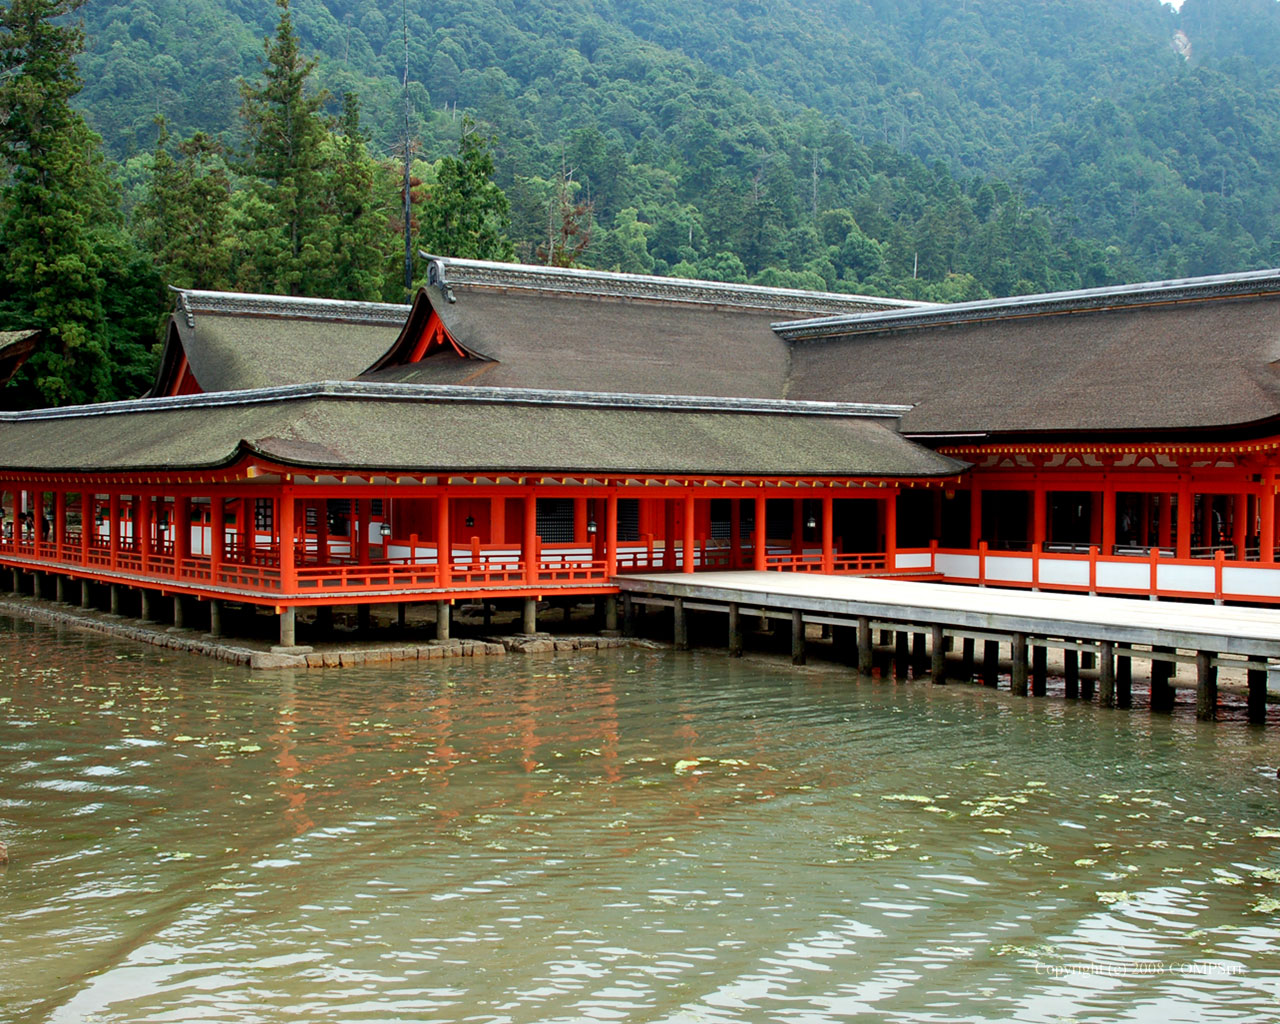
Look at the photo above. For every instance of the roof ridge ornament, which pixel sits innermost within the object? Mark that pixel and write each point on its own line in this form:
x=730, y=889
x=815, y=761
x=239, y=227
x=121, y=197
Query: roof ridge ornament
x=435, y=278
x=185, y=307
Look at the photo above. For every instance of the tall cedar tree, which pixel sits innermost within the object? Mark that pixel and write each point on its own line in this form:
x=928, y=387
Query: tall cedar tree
x=358, y=224
x=68, y=269
x=466, y=214
x=287, y=247
x=184, y=218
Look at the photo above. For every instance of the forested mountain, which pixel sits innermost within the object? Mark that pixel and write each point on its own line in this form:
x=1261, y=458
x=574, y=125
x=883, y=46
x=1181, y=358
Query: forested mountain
x=694, y=112
x=937, y=149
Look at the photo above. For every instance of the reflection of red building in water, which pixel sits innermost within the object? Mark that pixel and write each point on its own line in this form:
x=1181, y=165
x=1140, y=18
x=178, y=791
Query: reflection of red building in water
x=522, y=431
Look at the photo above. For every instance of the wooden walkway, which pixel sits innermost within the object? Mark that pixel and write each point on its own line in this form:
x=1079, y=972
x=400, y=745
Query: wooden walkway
x=1251, y=632
x=1115, y=630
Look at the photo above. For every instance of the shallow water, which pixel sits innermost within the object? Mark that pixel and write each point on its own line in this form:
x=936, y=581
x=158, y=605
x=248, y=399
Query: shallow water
x=616, y=836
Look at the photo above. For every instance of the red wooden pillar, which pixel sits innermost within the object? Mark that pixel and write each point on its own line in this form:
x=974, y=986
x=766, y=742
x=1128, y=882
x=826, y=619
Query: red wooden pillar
x=1267, y=520
x=181, y=533
x=975, y=516
x=828, y=536
x=1185, y=503
x=113, y=528
x=580, y=521
x=444, y=542
x=497, y=520
x=891, y=530
x=611, y=536
x=1039, y=514
x=285, y=521
x=135, y=514
x=668, y=534
x=87, y=525
x=37, y=519
x=735, y=533
x=529, y=540
x=247, y=529
x=797, y=526
x=218, y=536
x=760, y=550
x=142, y=530
x=689, y=512
x=59, y=524
x=1108, y=519
x=362, y=507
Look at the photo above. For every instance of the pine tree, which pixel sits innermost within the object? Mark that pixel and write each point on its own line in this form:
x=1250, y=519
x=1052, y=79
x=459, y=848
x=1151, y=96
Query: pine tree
x=286, y=247
x=466, y=214
x=62, y=219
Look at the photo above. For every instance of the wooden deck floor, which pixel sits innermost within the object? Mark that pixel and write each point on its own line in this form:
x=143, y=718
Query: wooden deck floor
x=1237, y=630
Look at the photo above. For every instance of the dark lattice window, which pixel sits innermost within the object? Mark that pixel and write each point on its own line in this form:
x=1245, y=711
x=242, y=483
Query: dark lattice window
x=555, y=520
x=628, y=519
x=264, y=513
x=720, y=521
x=779, y=518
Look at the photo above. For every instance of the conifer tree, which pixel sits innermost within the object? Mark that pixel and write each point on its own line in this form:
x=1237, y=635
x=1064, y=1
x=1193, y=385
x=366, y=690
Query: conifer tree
x=183, y=220
x=286, y=248
x=356, y=222
x=467, y=214
x=62, y=221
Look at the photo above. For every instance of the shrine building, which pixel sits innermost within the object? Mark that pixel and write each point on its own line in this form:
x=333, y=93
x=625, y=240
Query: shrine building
x=520, y=433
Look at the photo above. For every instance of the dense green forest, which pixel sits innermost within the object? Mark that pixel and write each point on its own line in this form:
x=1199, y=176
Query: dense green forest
x=937, y=149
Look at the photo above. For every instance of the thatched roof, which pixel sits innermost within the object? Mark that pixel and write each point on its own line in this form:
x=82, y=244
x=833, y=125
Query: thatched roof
x=545, y=327
x=401, y=428
x=1170, y=356
x=234, y=341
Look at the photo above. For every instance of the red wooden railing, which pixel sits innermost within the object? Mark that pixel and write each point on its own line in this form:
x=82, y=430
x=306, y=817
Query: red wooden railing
x=1151, y=574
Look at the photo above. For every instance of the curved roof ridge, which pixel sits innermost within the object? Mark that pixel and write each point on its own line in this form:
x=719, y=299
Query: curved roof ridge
x=194, y=300
x=371, y=390
x=610, y=284
x=1086, y=300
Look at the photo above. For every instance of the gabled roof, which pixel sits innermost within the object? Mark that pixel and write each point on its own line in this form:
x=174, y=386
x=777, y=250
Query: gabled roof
x=547, y=327
x=15, y=349
x=1196, y=354
x=458, y=430
x=233, y=340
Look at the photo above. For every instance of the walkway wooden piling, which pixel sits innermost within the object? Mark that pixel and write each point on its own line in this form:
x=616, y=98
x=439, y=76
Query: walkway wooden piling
x=1102, y=631
x=938, y=652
